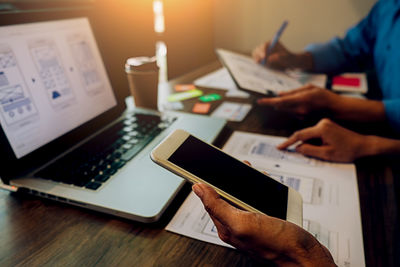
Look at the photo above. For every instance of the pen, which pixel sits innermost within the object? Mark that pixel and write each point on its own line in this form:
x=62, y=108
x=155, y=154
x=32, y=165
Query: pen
x=292, y=148
x=274, y=41
x=312, y=141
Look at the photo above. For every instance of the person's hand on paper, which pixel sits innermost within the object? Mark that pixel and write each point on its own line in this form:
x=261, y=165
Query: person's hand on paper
x=262, y=236
x=281, y=58
x=303, y=101
x=338, y=144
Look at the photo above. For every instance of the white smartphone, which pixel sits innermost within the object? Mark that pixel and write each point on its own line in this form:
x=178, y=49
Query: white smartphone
x=246, y=187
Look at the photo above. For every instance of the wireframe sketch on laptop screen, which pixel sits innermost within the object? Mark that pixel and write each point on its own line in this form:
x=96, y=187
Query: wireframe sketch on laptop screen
x=52, y=80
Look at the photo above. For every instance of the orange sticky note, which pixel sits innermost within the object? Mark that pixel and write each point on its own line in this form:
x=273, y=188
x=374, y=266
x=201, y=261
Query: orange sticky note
x=201, y=108
x=184, y=87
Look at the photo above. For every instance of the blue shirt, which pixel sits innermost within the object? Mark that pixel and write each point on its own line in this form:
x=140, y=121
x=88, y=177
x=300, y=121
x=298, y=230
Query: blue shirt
x=373, y=42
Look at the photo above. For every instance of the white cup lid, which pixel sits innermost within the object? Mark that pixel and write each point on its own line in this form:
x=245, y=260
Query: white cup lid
x=138, y=61
x=141, y=64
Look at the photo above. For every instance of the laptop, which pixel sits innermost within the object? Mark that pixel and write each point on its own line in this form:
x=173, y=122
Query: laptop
x=66, y=134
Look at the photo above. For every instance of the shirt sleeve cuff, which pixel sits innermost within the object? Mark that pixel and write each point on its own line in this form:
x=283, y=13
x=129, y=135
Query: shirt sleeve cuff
x=328, y=57
x=392, y=111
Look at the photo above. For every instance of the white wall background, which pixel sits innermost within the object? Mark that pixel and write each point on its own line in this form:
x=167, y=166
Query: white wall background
x=242, y=24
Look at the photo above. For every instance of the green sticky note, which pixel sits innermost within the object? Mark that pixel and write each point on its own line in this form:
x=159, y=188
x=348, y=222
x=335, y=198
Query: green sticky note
x=210, y=97
x=184, y=95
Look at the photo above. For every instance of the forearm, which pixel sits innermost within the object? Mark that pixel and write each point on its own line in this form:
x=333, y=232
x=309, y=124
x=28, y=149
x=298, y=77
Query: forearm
x=319, y=256
x=353, y=109
x=375, y=145
x=327, y=57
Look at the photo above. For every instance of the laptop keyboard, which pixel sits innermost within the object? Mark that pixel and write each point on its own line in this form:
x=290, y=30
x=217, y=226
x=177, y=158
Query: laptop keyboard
x=95, y=162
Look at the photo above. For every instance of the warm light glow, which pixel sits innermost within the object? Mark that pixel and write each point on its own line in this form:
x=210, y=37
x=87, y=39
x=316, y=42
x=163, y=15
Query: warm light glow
x=161, y=48
x=161, y=54
x=158, y=9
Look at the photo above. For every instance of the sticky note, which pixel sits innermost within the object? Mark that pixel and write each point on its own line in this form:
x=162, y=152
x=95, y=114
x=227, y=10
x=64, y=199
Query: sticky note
x=184, y=87
x=210, y=97
x=347, y=81
x=173, y=105
x=354, y=83
x=184, y=95
x=201, y=108
x=232, y=111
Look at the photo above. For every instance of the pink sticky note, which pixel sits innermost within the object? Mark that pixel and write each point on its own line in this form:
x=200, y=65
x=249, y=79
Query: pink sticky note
x=346, y=81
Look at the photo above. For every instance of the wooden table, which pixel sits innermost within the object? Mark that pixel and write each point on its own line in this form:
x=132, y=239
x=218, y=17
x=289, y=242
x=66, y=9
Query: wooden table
x=37, y=232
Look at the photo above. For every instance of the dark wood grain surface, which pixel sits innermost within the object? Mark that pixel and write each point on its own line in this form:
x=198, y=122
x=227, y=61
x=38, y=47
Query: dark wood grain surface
x=36, y=232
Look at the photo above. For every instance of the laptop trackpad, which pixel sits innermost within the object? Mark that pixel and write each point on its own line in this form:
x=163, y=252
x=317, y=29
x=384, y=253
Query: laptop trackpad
x=141, y=188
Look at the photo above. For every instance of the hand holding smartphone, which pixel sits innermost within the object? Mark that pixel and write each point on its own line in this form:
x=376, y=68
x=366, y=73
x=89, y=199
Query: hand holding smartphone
x=244, y=186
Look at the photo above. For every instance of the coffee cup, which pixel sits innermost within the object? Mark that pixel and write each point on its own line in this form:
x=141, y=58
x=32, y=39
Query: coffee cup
x=142, y=73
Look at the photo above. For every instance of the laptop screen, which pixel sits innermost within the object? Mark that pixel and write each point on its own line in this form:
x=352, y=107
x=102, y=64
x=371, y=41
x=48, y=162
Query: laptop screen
x=52, y=80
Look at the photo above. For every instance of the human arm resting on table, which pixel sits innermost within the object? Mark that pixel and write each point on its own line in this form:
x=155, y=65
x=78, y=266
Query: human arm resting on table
x=310, y=99
x=340, y=144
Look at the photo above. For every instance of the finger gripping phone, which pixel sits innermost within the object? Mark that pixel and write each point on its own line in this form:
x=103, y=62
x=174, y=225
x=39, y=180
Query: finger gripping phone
x=246, y=187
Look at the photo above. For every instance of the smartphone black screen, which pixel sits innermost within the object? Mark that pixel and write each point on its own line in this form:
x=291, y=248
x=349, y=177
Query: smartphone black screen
x=232, y=176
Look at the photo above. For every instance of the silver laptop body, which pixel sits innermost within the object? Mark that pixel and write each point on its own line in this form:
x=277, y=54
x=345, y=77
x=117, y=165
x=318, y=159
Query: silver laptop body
x=55, y=96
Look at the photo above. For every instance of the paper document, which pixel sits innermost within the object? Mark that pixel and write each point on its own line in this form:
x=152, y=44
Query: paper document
x=232, y=111
x=308, y=78
x=254, y=77
x=193, y=221
x=331, y=208
x=221, y=79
